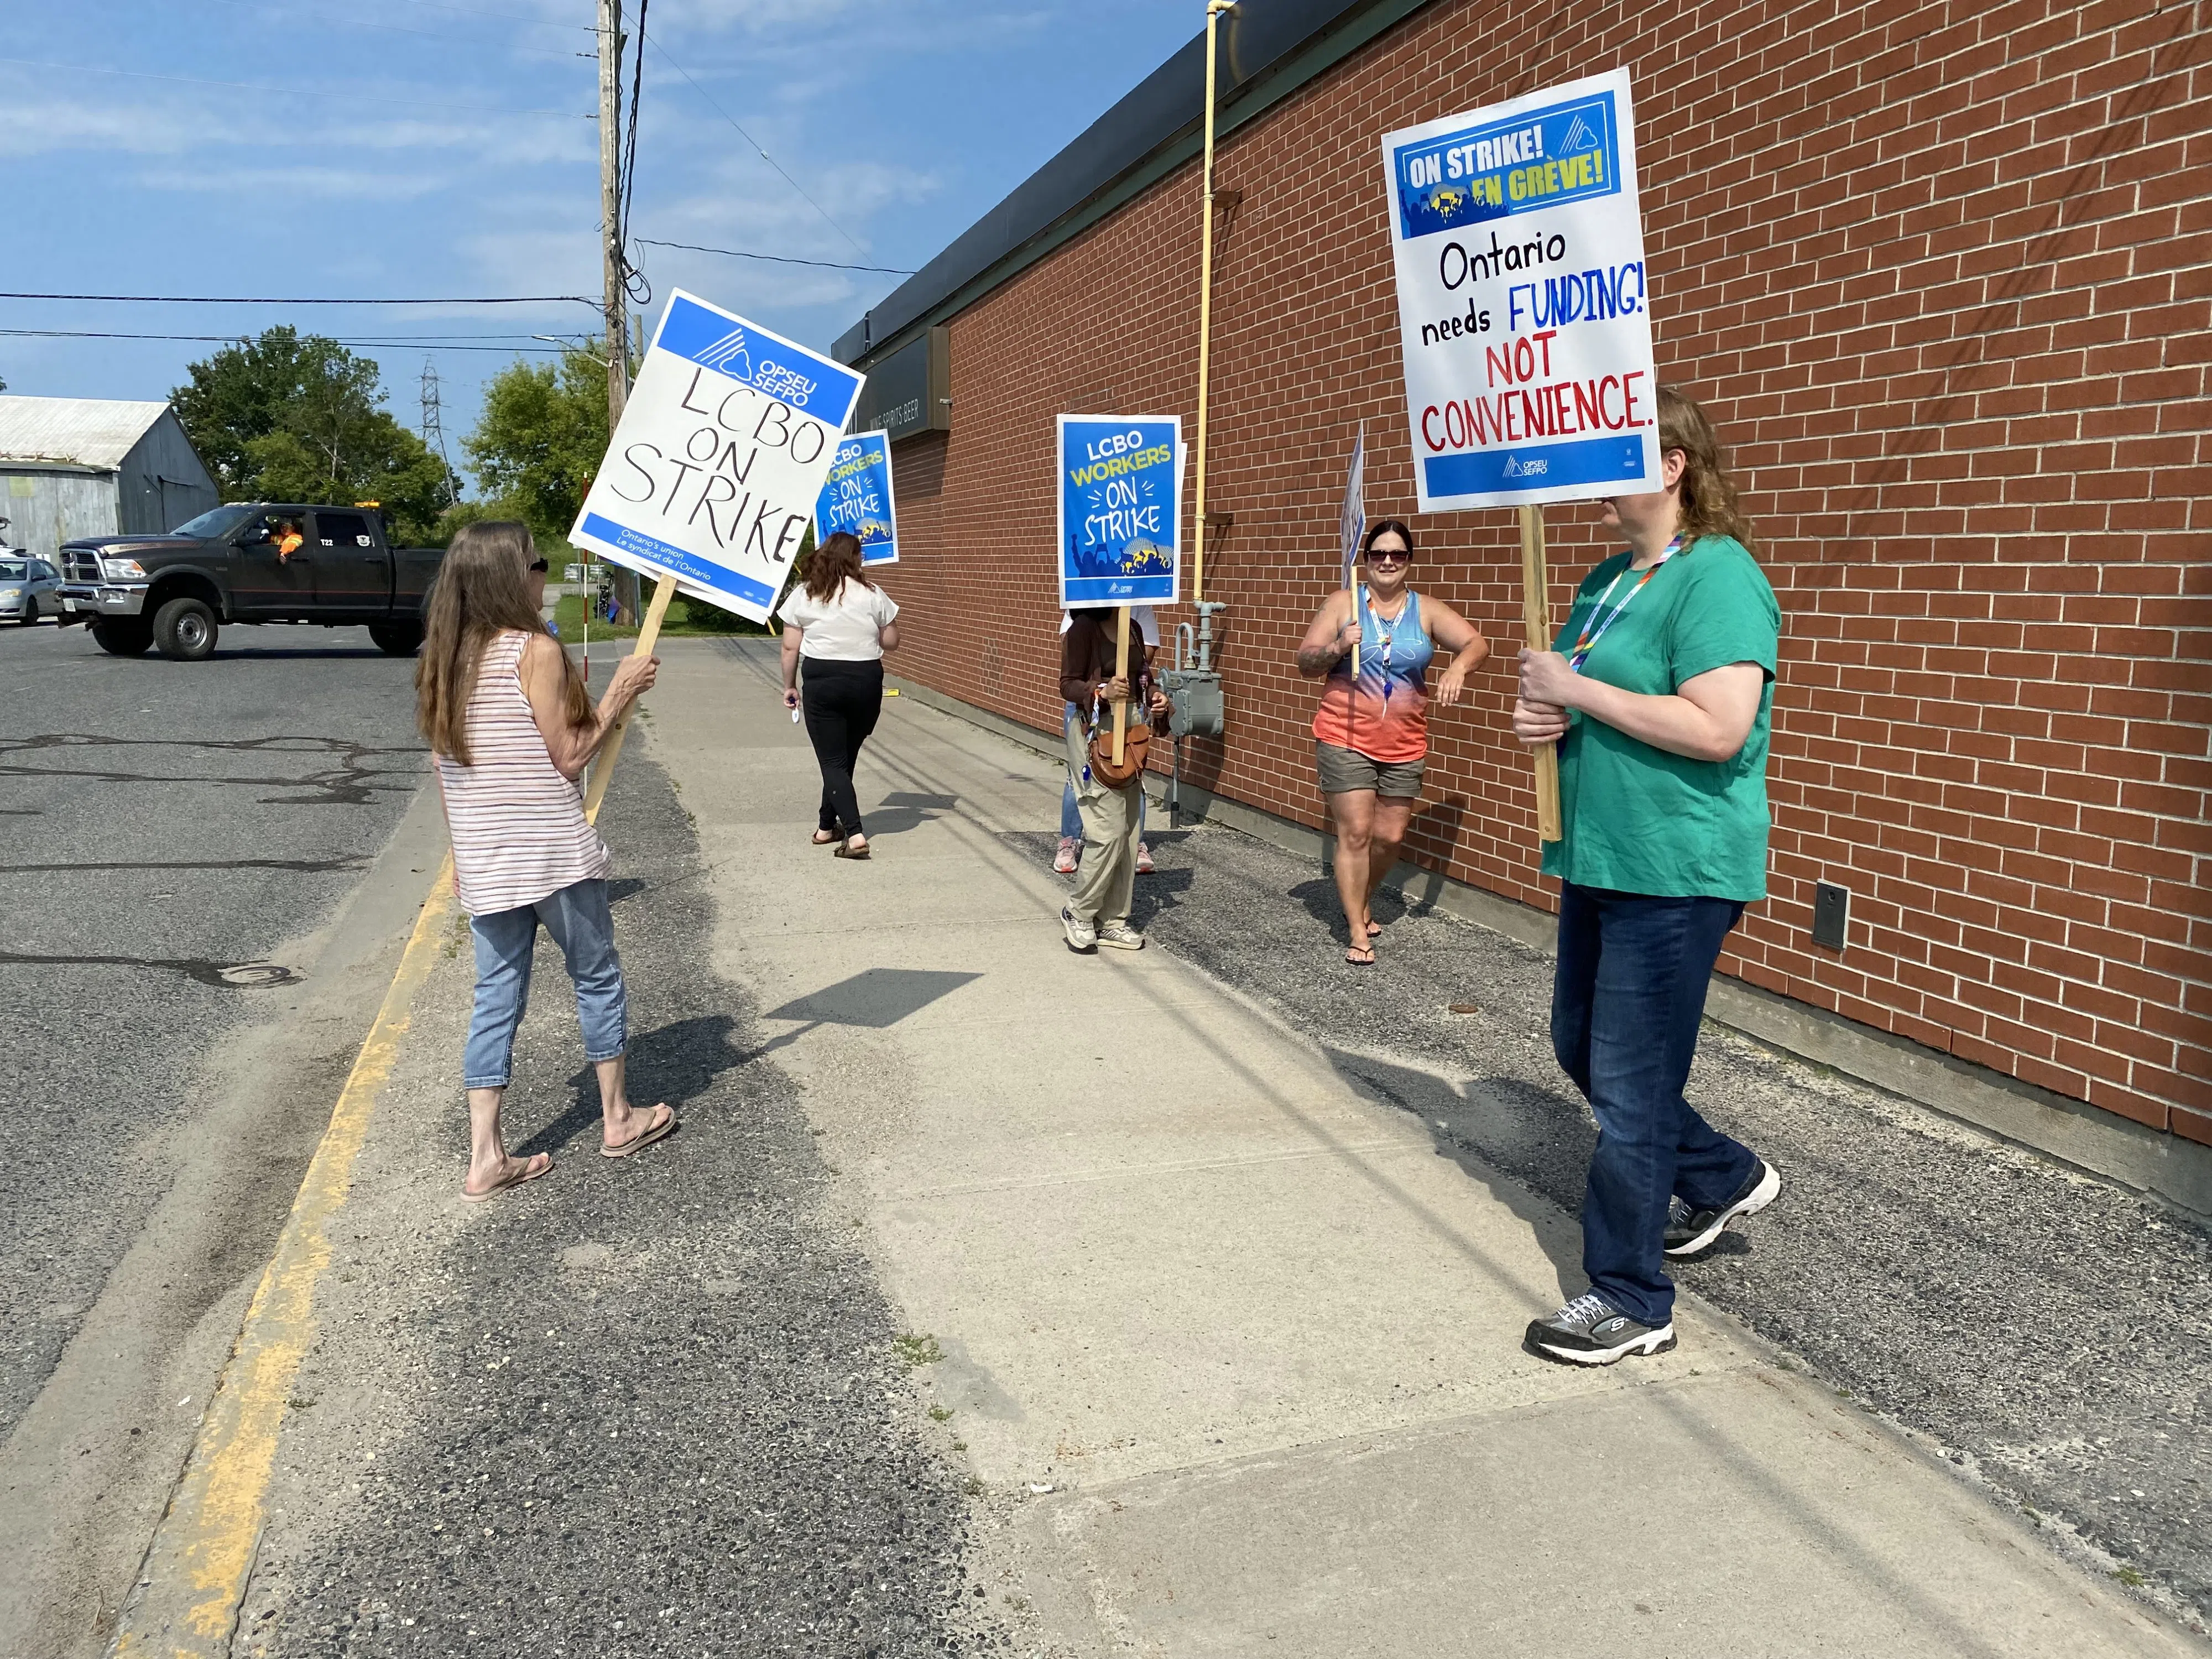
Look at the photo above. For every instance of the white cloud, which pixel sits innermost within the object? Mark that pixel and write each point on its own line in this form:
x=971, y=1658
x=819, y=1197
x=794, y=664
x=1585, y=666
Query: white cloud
x=339, y=184
x=31, y=124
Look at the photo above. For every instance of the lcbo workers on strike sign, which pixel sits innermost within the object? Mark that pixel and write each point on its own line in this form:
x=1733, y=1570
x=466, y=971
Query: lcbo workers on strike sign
x=1121, y=509
x=857, y=498
x=1522, y=300
x=723, y=445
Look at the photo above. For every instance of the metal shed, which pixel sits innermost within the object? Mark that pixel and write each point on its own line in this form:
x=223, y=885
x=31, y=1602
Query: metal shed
x=85, y=466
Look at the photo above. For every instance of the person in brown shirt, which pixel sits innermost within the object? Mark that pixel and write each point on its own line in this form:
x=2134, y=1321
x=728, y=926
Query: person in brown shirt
x=1097, y=912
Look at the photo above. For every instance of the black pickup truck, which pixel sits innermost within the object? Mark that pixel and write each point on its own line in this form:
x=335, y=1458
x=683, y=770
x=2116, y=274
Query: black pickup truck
x=249, y=562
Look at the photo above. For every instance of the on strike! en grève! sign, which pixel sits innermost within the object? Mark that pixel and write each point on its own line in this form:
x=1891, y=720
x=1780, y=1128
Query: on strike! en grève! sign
x=1523, y=302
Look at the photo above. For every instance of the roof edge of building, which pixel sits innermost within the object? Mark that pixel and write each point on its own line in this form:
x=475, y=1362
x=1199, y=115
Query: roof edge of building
x=1262, y=59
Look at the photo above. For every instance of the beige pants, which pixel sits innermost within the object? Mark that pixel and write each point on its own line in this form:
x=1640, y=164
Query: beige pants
x=1107, y=879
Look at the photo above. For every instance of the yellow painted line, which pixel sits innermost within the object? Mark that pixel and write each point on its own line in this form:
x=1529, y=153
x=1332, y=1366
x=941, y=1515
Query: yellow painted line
x=186, y=1604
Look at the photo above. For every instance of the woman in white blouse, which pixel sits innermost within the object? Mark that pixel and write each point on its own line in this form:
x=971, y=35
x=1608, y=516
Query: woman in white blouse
x=840, y=623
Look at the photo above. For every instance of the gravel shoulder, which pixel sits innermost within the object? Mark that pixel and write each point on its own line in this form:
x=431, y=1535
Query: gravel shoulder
x=648, y=1405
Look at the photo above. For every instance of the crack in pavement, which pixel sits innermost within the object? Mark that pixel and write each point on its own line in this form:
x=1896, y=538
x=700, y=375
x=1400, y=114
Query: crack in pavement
x=347, y=783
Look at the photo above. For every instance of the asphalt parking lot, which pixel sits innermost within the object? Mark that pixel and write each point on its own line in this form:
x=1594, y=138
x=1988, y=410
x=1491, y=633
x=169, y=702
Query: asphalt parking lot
x=193, y=908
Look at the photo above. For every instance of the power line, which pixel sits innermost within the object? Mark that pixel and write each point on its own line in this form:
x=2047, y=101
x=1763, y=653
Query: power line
x=392, y=29
x=417, y=344
x=384, y=28
x=223, y=300
x=774, y=259
x=505, y=16
x=633, y=282
x=447, y=104
x=755, y=142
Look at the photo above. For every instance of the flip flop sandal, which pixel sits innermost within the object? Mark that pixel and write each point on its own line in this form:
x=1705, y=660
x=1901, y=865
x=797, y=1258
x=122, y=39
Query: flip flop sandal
x=846, y=850
x=536, y=1164
x=664, y=1120
x=826, y=837
x=1354, y=957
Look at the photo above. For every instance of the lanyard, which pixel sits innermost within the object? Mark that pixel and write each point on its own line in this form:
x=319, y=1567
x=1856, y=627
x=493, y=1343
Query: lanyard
x=1594, y=629
x=1386, y=631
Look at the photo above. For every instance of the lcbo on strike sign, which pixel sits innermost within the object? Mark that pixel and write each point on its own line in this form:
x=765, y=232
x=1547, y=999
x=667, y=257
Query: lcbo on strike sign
x=712, y=474
x=1522, y=299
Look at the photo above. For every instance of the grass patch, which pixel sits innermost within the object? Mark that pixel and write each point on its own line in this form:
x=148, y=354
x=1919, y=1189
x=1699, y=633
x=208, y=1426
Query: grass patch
x=2130, y=1577
x=939, y=1414
x=917, y=1350
x=686, y=619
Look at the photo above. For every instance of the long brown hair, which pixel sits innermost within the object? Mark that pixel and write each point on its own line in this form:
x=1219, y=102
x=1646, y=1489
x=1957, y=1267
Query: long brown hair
x=482, y=590
x=833, y=564
x=1710, y=507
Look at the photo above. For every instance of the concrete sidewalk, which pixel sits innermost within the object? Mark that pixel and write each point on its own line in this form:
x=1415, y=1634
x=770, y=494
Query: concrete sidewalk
x=1231, y=1351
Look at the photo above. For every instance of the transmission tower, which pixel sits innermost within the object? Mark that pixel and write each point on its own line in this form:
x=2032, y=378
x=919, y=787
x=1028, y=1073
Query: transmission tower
x=434, y=425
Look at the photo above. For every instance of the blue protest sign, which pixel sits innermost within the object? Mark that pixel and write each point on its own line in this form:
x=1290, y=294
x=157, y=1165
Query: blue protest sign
x=1119, y=491
x=856, y=498
x=724, y=443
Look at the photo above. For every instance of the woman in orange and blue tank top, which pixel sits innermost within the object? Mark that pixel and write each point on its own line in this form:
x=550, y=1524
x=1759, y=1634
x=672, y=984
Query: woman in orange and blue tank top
x=1371, y=731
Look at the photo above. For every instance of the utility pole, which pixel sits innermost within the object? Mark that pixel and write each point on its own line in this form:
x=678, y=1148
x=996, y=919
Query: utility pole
x=617, y=332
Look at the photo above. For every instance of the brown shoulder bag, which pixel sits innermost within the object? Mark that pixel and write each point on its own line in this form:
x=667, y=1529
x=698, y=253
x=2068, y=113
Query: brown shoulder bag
x=1133, y=742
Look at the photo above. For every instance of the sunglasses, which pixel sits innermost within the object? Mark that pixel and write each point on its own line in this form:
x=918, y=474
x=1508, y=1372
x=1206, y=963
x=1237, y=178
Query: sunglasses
x=1388, y=556
x=539, y=567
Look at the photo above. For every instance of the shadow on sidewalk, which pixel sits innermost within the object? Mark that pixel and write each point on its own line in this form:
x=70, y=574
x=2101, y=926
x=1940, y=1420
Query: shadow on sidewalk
x=872, y=999
x=902, y=811
x=1471, y=1123
x=677, y=1063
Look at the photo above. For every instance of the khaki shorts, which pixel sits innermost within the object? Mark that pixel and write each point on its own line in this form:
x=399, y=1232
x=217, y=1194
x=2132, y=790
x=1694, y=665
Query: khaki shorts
x=1347, y=771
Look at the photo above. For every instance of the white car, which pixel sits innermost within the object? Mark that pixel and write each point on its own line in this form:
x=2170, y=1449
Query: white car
x=28, y=588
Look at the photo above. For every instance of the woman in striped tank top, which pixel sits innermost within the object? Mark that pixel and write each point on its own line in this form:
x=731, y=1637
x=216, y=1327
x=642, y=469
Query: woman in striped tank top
x=511, y=726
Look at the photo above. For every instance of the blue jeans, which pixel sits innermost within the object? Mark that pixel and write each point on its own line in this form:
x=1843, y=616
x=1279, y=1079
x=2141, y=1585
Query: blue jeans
x=1071, y=821
x=1626, y=1006
x=578, y=918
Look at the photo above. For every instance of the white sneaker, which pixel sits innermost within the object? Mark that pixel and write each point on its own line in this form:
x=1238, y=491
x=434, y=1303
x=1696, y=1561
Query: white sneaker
x=1121, y=936
x=1063, y=861
x=1081, y=935
x=1144, y=859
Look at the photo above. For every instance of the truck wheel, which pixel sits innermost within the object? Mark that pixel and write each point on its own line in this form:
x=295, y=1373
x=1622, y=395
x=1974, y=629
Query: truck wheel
x=123, y=636
x=185, y=630
x=396, y=639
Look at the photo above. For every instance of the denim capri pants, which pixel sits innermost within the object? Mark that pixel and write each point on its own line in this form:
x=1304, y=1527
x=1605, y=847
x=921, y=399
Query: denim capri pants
x=578, y=918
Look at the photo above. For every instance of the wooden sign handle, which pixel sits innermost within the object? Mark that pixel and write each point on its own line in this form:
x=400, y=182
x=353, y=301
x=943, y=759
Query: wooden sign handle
x=1121, y=669
x=1536, y=615
x=648, y=634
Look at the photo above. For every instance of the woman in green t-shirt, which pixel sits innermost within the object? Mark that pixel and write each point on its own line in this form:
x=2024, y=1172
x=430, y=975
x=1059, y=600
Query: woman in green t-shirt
x=1658, y=694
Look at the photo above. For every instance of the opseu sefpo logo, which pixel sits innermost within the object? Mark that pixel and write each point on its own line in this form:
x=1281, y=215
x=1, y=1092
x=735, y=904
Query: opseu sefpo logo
x=1537, y=160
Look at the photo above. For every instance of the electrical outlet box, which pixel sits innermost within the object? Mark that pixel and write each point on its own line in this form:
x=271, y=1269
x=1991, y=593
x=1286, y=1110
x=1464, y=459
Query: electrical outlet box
x=1832, y=915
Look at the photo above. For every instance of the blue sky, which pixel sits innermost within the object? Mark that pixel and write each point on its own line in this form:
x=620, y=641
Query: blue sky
x=386, y=156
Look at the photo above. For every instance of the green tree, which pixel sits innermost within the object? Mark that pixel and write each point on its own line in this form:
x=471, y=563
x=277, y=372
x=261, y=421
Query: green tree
x=542, y=435
x=294, y=417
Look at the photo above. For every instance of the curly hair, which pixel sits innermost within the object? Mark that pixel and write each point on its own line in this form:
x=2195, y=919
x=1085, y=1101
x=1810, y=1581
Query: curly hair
x=1710, y=506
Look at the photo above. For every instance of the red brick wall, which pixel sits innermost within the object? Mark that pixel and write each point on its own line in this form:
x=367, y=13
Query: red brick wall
x=1943, y=274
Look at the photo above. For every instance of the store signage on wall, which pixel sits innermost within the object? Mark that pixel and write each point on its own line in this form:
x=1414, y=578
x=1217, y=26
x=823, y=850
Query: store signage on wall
x=1121, y=509
x=1522, y=299
x=856, y=498
x=714, y=470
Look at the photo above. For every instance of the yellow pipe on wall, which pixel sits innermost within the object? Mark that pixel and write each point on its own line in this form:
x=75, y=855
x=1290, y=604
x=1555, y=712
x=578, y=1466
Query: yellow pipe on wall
x=1213, y=10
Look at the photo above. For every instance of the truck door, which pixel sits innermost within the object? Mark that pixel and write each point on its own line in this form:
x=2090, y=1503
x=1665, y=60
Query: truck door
x=352, y=570
x=267, y=580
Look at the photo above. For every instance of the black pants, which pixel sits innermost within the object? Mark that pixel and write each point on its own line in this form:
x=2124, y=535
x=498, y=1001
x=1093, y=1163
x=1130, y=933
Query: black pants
x=842, y=701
